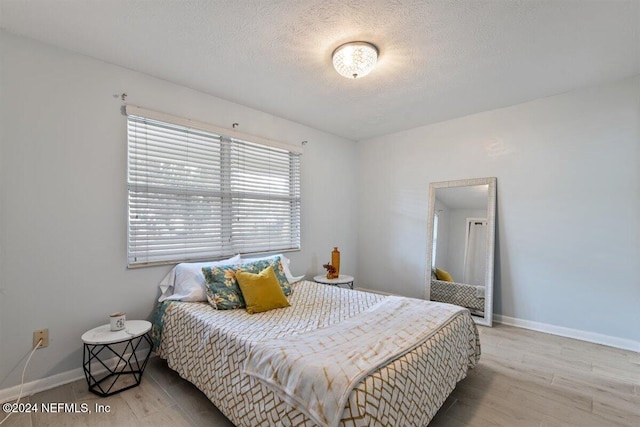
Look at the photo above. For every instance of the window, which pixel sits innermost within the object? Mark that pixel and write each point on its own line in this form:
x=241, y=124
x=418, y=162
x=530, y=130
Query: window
x=195, y=193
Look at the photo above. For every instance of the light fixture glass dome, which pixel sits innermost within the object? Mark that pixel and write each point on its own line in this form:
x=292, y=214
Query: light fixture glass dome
x=355, y=59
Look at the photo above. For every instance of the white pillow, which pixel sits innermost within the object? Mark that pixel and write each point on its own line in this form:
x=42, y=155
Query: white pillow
x=185, y=282
x=285, y=266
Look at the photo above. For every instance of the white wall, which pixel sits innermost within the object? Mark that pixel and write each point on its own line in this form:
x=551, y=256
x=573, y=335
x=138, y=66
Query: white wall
x=568, y=220
x=63, y=218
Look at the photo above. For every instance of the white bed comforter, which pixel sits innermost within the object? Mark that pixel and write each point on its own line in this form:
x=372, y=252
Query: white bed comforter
x=317, y=371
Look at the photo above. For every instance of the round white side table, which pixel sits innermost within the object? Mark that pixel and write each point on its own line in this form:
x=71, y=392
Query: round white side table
x=342, y=279
x=100, y=344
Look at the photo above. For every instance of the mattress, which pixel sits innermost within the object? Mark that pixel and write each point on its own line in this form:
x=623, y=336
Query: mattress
x=209, y=348
x=457, y=293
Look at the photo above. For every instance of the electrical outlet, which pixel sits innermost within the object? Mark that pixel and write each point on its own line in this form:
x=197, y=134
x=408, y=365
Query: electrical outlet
x=41, y=334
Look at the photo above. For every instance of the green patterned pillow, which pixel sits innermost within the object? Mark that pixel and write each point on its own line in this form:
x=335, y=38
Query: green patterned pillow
x=276, y=264
x=223, y=291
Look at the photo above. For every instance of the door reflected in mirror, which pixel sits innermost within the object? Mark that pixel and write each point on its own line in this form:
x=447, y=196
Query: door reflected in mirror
x=461, y=236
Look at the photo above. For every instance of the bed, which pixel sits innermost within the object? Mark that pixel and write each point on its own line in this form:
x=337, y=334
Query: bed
x=461, y=294
x=210, y=348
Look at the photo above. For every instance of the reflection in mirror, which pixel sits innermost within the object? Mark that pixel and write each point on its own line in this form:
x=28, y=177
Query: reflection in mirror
x=461, y=232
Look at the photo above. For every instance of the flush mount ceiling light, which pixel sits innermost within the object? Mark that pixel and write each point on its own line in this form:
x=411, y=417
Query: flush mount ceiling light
x=355, y=59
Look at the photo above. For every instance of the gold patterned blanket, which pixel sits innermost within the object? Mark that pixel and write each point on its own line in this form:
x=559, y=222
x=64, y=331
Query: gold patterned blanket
x=316, y=371
x=209, y=348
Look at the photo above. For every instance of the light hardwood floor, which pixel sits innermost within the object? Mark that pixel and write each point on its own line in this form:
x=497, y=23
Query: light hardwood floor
x=524, y=378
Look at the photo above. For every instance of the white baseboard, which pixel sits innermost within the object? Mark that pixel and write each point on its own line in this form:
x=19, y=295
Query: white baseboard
x=47, y=383
x=56, y=380
x=623, y=343
x=42, y=384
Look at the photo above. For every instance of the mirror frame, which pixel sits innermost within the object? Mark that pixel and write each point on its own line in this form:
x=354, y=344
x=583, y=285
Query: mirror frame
x=487, y=320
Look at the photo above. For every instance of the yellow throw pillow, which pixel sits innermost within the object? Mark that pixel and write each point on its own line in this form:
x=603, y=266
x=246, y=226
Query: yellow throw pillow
x=444, y=275
x=261, y=292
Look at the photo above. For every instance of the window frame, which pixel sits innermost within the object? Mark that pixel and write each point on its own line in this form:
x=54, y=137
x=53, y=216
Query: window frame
x=228, y=139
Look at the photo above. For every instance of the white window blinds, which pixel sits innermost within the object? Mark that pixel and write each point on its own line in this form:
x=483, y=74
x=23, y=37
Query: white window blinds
x=196, y=194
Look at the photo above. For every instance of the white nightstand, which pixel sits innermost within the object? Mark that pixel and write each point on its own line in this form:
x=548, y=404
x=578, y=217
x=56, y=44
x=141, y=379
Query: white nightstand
x=100, y=344
x=342, y=279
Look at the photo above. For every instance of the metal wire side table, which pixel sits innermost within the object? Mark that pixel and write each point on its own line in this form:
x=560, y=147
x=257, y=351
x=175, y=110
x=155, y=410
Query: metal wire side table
x=102, y=344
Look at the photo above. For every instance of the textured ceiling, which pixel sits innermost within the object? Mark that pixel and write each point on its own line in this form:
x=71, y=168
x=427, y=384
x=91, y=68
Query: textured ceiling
x=438, y=59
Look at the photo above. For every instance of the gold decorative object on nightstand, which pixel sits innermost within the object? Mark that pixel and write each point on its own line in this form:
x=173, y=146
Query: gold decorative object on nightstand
x=333, y=268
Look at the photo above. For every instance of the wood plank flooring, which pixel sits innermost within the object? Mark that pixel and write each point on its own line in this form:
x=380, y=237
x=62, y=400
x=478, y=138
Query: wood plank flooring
x=524, y=378
x=528, y=378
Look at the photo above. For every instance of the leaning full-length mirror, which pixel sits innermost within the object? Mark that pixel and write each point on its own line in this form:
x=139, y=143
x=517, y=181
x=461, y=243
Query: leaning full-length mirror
x=460, y=249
